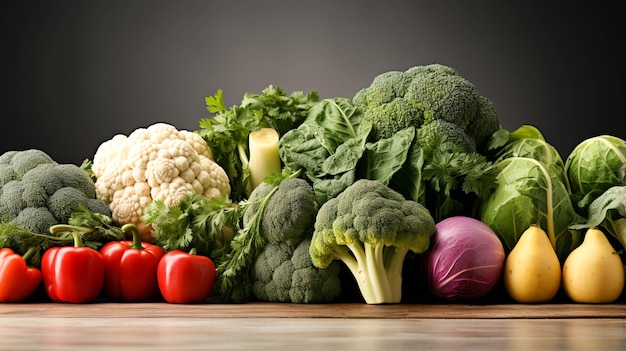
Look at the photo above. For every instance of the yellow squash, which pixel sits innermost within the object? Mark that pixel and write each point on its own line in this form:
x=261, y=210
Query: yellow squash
x=593, y=272
x=532, y=271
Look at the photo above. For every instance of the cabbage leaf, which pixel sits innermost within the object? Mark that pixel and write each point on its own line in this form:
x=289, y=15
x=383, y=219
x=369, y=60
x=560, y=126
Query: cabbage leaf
x=531, y=192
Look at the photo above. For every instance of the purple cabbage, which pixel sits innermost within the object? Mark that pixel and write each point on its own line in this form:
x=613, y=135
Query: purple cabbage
x=465, y=259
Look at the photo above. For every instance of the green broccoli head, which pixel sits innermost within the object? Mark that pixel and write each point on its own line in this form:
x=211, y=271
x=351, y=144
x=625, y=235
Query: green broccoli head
x=427, y=93
x=371, y=228
x=285, y=273
x=37, y=183
x=289, y=213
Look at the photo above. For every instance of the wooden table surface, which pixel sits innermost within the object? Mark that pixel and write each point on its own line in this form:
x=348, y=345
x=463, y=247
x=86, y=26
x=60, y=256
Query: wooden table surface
x=345, y=326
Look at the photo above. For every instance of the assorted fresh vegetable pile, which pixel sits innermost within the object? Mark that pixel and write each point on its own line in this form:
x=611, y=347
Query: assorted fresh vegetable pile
x=408, y=190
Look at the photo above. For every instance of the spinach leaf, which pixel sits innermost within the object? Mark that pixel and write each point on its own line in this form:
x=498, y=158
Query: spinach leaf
x=386, y=157
x=328, y=146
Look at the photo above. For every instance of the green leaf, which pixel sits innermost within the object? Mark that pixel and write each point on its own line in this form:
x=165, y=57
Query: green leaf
x=215, y=103
x=334, y=121
x=299, y=148
x=195, y=223
x=530, y=193
x=386, y=157
x=609, y=212
x=408, y=180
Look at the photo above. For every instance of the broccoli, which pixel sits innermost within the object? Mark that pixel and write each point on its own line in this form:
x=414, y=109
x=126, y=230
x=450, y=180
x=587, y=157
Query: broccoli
x=37, y=192
x=264, y=259
x=446, y=135
x=453, y=125
x=371, y=228
x=285, y=273
x=35, y=219
x=288, y=214
x=423, y=94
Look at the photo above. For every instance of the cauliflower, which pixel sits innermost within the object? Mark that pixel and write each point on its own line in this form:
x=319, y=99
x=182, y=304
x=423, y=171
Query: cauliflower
x=159, y=162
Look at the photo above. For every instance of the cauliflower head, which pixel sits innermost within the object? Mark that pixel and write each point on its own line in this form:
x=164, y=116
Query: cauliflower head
x=159, y=162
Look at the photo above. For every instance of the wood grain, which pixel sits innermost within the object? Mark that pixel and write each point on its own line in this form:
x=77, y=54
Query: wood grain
x=109, y=326
x=287, y=310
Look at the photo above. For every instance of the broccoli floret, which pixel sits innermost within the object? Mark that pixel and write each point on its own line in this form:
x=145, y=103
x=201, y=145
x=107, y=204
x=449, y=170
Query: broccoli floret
x=423, y=94
x=35, y=219
x=14, y=164
x=310, y=284
x=38, y=183
x=67, y=199
x=289, y=213
x=284, y=273
x=392, y=117
x=265, y=286
x=385, y=88
x=446, y=135
x=481, y=129
x=11, y=201
x=443, y=94
x=371, y=228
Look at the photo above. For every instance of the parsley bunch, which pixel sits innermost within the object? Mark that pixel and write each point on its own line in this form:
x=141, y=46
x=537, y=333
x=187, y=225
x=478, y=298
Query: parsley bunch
x=227, y=131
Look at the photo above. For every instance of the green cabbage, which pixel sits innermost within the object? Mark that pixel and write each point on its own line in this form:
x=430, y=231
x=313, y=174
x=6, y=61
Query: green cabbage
x=530, y=192
x=594, y=166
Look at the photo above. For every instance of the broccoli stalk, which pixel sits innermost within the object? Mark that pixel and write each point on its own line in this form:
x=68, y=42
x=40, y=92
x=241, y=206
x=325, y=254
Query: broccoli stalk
x=371, y=228
x=376, y=268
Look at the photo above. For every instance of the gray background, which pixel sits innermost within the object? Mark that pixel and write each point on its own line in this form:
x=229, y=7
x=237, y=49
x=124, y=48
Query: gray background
x=74, y=73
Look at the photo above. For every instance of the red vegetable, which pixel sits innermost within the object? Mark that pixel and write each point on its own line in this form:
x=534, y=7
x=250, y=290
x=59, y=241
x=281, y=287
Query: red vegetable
x=465, y=260
x=130, y=267
x=17, y=280
x=185, y=277
x=72, y=273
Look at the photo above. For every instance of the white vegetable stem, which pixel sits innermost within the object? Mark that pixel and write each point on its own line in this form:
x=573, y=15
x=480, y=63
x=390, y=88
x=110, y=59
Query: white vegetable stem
x=264, y=158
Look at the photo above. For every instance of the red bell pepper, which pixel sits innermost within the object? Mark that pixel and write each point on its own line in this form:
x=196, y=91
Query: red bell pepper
x=185, y=277
x=18, y=281
x=72, y=273
x=130, y=267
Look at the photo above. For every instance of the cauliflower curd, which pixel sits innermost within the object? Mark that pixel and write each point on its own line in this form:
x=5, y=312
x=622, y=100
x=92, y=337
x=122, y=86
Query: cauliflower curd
x=159, y=162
